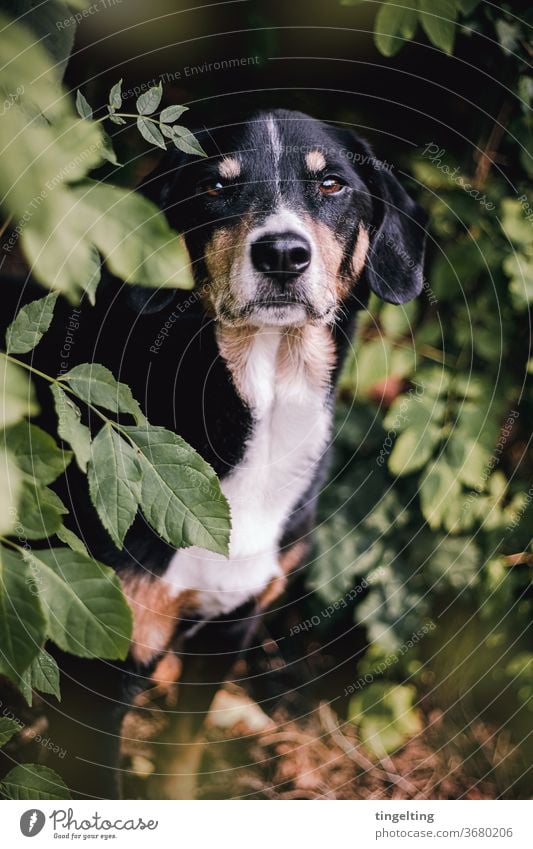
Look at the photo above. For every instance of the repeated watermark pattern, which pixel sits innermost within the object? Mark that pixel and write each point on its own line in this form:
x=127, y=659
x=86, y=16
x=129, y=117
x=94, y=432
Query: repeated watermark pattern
x=391, y=659
x=435, y=154
x=31, y=733
x=341, y=603
x=189, y=71
x=415, y=394
x=93, y=9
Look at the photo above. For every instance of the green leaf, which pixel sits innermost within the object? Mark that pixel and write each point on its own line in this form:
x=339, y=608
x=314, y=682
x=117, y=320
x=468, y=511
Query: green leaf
x=35, y=452
x=467, y=6
x=394, y=25
x=70, y=427
x=115, y=96
x=438, y=20
x=40, y=510
x=95, y=384
x=150, y=100
x=22, y=621
x=172, y=113
x=180, y=496
x=515, y=225
x=133, y=235
x=412, y=450
x=82, y=106
x=87, y=612
x=117, y=119
x=108, y=152
x=439, y=490
x=186, y=142
x=41, y=675
x=509, y=35
x=45, y=674
x=10, y=486
x=468, y=459
x=8, y=729
x=30, y=324
x=92, y=283
x=18, y=397
x=31, y=781
x=385, y=716
x=72, y=540
x=150, y=132
x=114, y=482
x=398, y=320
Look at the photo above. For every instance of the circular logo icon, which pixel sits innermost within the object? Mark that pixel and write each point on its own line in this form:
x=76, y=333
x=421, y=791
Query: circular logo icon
x=32, y=822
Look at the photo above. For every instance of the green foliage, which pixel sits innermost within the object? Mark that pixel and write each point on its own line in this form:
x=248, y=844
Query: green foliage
x=397, y=22
x=431, y=504
x=180, y=494
x=8, y=728
x=27, y=329
x=65, y=221
x=385, y=716
x=30, y=781
x=95, y=384
x=22, y=618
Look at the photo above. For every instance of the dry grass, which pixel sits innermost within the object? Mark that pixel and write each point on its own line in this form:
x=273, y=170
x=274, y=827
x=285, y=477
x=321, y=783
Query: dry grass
x=249, y=755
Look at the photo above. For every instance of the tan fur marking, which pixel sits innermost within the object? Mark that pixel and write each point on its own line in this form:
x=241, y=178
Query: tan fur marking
x=220, y=254
x=293, y=556
x=272, y=591
x=361, y=250
x=315, y=160
x=288, y=560
x=309, y=349
x=229, y=168
x=155, y=614
x=234, y=344
x=331, y=255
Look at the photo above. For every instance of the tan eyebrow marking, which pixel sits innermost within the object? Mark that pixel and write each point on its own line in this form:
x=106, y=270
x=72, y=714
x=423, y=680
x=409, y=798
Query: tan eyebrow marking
x=229, y=168
x=315, y=160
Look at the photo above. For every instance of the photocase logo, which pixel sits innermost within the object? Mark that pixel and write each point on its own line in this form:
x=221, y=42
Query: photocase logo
x=32, y=822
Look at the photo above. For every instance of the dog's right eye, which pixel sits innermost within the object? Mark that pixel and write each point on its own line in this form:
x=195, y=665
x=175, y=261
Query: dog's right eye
x=213, y=189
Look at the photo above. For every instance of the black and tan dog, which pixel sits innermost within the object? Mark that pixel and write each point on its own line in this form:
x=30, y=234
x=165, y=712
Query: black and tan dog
x=289, y=223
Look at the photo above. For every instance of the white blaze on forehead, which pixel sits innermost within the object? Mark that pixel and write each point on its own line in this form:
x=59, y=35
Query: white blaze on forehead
x=229, y=168
x=275, y=140
x=315, y=160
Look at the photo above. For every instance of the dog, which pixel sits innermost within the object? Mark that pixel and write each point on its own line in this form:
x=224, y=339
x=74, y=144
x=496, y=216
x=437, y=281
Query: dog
x=290, y=223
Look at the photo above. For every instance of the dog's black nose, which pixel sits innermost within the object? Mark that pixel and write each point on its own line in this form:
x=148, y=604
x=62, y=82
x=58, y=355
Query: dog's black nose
x=282, y=256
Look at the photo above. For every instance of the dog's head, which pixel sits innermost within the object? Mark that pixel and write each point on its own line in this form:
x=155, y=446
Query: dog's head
x=285, y=216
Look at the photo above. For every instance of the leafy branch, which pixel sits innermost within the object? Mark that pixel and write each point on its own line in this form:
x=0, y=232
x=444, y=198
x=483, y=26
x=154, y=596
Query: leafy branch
x=64, y=222
x=151, y=129
x=63, y=594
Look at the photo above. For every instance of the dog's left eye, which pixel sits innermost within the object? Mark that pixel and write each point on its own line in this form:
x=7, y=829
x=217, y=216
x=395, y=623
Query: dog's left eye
x=331, y=186
x=213, y=189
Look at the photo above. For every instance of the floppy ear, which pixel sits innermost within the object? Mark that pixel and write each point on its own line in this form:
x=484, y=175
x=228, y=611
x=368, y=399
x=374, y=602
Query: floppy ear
x=157, y=187
x=395, y=260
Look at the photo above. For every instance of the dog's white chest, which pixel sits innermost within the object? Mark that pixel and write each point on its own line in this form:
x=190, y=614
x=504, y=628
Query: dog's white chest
x=289, y=434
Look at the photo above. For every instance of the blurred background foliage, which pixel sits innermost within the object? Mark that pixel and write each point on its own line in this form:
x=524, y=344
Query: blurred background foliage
x=428, y=510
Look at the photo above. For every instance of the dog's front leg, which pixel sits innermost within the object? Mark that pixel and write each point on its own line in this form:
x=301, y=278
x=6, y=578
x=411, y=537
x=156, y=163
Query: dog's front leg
x=207, y=660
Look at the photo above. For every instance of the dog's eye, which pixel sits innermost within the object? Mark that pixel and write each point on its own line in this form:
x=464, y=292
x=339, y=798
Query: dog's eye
x=331, y=186
x=213, y=189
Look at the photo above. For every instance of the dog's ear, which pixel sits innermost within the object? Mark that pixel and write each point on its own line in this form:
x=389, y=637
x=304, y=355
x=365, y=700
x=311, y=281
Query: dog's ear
x=397, y=232
x=157, y=187
x=395, y=260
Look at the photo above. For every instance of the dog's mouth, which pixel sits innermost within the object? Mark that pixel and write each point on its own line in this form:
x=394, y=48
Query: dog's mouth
x=278, y=308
